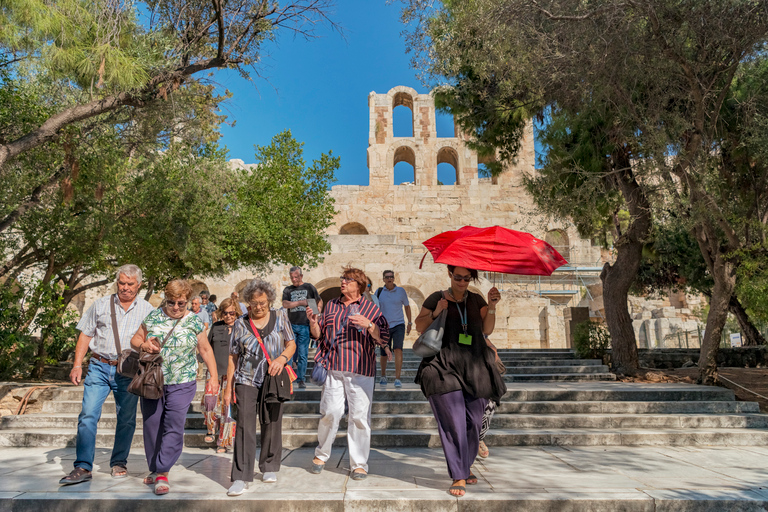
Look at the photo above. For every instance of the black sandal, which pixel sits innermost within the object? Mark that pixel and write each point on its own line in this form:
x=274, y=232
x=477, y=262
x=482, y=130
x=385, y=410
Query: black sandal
x=461, y=488
x=471, y=479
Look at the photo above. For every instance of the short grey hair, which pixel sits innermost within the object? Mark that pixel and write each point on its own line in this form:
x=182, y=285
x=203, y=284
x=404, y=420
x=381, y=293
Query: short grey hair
x=258, y=286
x=129, y=270
x=196, y=297
x=295, y=269
x=204, y=293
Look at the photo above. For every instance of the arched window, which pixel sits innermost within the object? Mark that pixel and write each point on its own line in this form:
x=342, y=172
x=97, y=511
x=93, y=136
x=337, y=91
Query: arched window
x=484, y=164
x=405, y=165
x=448, y=166
x=353, y=228
x=198, y=287
x=402, y=115
x=558, y=239
x=445, y=125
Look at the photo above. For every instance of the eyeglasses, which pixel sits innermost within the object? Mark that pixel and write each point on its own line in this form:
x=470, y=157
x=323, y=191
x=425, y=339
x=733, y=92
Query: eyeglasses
x=346, y=279
x=228, y=313
x=459, y=278
x=178, y=303
x=259, y=304
x=389, y=277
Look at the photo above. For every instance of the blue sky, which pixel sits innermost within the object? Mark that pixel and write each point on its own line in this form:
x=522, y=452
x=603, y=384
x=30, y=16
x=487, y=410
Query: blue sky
x=319, y=89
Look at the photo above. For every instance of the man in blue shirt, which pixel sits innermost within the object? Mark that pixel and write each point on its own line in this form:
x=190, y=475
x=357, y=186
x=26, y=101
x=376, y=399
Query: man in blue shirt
x=392, y=301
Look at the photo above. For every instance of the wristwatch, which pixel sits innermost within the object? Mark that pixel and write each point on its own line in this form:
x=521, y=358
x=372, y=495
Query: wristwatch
x=370, y=324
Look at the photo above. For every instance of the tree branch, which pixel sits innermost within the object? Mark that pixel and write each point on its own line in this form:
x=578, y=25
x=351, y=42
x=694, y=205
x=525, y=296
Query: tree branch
x=33, y=200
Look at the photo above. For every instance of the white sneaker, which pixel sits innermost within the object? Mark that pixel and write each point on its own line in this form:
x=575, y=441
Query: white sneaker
x=269, y=477
x=383, y=381
x=237, y=488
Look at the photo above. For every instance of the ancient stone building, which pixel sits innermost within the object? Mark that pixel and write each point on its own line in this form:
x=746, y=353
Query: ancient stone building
x=381, y=226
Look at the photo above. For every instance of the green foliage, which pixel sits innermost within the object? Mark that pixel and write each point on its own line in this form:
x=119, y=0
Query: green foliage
x=572, y=183
x=16, y=348
x=591, y=340
x=282, y=207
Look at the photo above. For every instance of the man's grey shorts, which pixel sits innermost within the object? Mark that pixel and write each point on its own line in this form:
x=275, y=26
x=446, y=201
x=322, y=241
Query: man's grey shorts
x=396, y=337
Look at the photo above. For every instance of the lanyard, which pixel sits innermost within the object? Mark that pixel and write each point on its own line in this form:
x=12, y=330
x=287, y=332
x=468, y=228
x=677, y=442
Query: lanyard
x=463, y=316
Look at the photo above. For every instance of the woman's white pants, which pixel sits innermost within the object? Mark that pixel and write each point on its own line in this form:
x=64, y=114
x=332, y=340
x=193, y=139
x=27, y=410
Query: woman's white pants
x=358, y=392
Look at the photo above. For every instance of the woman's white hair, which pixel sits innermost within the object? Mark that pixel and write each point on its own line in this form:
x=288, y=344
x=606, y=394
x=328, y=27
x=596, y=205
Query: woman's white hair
x=129, y=270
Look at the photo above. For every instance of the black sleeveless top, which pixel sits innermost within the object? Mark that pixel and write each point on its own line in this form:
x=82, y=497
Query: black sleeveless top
x=457, y=366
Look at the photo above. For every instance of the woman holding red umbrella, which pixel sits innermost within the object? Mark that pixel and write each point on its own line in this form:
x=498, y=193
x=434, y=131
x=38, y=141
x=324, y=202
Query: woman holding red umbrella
x=462, y=377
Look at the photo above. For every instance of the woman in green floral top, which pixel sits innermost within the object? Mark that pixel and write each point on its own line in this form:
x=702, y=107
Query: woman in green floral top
x=164, y=418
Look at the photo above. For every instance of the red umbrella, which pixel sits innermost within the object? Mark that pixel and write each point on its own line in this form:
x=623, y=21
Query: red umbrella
x=495, y=249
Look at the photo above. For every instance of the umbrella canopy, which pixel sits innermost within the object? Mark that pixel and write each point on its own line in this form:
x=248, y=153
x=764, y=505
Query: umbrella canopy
x=495, y=249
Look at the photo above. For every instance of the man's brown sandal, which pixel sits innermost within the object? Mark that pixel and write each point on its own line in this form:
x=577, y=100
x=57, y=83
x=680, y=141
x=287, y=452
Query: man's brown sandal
x=119, y=471
x=78, y=475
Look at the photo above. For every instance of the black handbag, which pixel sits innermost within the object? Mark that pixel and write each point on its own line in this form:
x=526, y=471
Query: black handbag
x=148, y=381
x=128, y=359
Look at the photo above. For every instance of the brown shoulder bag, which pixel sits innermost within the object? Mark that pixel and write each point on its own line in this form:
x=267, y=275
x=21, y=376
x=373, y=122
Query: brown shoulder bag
x=148, y=381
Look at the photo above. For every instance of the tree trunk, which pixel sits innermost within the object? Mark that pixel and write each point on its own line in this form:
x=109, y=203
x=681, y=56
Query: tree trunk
x=618, y=278
x=37, y=371
x=150, y=287
x=752, y=337
x=724, y=274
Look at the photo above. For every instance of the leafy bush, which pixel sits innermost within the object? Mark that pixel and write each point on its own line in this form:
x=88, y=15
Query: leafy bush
x=17, y=349
x=591, y=340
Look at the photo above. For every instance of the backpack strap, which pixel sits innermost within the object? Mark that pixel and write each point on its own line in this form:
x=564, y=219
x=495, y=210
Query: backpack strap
x=378, y=292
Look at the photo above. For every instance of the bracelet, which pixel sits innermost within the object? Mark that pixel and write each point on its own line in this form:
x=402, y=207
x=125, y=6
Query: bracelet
x=491, y=311
x=283, y=355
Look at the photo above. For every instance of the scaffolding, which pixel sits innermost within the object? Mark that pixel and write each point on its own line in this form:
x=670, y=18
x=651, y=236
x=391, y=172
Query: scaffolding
x=565, y=283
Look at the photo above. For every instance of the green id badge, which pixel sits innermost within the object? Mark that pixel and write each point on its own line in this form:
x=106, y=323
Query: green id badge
x=465, y=339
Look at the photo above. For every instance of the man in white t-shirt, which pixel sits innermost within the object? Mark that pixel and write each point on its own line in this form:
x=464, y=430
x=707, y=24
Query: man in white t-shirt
x=392, y=301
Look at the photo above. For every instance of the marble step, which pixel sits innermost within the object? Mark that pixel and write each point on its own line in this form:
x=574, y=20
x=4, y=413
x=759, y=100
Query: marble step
x=293, y=422
x=535, y=392
x=508, y=407
x=60, y=437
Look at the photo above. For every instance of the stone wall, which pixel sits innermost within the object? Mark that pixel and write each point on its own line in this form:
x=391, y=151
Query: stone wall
x=391, y=221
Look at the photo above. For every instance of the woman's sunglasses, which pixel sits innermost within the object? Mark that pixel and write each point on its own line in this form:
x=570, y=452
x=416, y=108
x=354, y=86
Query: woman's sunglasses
x=459, y=278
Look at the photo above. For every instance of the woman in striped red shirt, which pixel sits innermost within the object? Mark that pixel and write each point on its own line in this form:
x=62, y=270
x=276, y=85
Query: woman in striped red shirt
x=347, y=333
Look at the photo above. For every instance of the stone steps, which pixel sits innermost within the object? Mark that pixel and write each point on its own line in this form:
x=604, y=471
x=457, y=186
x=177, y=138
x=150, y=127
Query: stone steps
x=426, y=421
x=423, y=407
x=429, y=438
x=553, y=399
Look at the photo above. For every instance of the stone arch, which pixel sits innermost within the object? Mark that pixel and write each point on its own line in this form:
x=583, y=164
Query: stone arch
x=240, y=286
x=486, y=161
x=328, y=289
x=406, y=154
x=198, y=287
x=403, y=99
x=415, y=297
x=476, y=290
x=353, y=228
x=558, y=239
x=449, y=155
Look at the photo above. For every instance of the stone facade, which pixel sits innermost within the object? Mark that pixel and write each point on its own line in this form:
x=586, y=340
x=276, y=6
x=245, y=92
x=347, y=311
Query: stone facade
x=381, y=226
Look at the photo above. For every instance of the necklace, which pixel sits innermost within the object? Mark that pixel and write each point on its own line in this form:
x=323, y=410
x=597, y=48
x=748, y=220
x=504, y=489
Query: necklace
x=450, y=292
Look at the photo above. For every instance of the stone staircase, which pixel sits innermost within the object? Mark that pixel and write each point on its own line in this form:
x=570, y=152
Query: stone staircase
x=553, y=399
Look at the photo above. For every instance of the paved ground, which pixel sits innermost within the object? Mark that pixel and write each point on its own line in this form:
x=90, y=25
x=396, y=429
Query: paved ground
x=531, y=479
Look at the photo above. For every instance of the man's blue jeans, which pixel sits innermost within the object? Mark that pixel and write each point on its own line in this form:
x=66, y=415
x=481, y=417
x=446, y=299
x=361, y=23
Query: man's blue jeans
x=301, y=332
x=101, y=379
